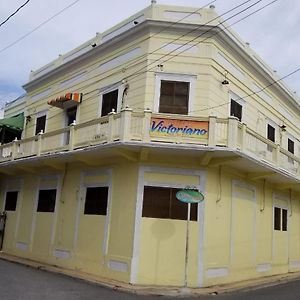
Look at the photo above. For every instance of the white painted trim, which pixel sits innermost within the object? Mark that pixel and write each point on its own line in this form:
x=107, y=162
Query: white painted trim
x=64, y=254
x=19, y=183
x=19, y=208
x=22, y=246
x=34, y=213
x=56, y=209
x=139, y=208
x=137, y=226
x=201, y=216
x=120, y=59
x=117, y=86
x=38, y=115
x=216, y=272
x=245, y=185
x=81, y=201
x=263, y=267
x=118, y=266
x=40, y=186
x=294, y=264
x=78, y=210
x=239, y=100
x=191, y=78
x=280, y=197
x=108, y=214
x=127, y=26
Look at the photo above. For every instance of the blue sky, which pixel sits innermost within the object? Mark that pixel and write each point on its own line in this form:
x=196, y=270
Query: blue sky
x=272, y=33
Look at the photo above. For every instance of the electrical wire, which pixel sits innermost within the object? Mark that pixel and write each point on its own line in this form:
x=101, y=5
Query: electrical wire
x=15, y=12
x=230, y=10
x=202, y=34
x=38, y=27
x=249, y=94
x=213, y=27
x=199, y=42
x=151, y=36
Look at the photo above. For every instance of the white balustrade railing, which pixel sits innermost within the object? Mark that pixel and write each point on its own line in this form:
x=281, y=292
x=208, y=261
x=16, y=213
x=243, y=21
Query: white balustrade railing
x=135, y=126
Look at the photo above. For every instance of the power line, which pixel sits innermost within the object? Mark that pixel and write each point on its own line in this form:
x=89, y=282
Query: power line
x=217, y=33
x=199, y=26
x=141, y=71
x=253, y=93
x=198, y=36
x=38, y=27
x=15, y=12
x=221, y=30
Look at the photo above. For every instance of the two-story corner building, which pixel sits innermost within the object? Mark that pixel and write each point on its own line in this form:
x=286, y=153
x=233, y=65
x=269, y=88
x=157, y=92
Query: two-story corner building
x=114, y=128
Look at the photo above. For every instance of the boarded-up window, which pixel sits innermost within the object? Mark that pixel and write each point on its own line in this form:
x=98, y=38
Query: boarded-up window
x=46, y=201
x=40, y=124
x=236, y=110
x=109, y=102
x=174, y=97
x=96, y=201
x=161, y=203
x=11, y=201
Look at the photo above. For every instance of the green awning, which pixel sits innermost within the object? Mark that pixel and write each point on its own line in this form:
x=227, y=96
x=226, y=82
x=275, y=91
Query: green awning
x=15, y=123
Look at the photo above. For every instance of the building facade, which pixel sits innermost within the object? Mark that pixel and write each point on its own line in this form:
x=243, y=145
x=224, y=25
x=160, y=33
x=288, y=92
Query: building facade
x=163, y=101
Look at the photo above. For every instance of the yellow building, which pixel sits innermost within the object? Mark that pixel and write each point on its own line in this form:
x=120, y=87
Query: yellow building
x=114, y=128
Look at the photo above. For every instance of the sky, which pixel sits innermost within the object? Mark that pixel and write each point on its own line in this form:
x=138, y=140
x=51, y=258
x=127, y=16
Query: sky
x=273, y=33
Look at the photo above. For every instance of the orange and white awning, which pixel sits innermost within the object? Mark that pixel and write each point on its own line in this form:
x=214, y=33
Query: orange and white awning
x=66, y=101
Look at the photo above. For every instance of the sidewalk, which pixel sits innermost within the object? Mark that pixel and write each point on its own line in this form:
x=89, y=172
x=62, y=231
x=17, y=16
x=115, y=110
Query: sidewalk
x=155, y=290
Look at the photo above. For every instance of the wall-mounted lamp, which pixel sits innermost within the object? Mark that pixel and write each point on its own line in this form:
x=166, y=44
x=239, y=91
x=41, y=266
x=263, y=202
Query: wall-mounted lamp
x=28, y=119
x=283, y=127
x=161, y=67
x=225, y=81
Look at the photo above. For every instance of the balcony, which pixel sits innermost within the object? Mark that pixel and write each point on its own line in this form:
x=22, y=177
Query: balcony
x=135, y=128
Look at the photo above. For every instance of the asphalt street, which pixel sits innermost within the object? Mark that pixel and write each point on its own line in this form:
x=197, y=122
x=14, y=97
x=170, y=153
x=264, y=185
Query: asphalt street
x=18, y=282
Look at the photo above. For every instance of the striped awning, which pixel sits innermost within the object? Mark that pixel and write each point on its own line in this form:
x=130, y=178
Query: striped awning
x=66, y=101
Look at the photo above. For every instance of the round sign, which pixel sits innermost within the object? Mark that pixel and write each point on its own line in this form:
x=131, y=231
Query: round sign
x=190, y=196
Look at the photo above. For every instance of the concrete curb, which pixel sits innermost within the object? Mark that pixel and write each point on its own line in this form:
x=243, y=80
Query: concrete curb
x=247, y=285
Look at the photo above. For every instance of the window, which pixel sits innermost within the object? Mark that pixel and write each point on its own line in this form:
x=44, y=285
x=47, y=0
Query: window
x=46, y=201
x=109, y=102
x=277, y=217
x=271, y=133
x=161, y=203
x=40, y=124
x=236, y=109
x=71, y=115
x=291, y=146
x=174, y=97
x=96, y=201
x=11, y=201
x=280, y=219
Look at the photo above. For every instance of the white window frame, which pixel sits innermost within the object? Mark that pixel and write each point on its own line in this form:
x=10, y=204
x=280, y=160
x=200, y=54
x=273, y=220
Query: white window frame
x=117, y=86
x=191, y=79
x=38, y=115
x=239, y=100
